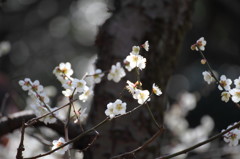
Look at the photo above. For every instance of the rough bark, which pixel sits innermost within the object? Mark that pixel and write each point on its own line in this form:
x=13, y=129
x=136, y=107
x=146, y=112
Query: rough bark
x=163, y=23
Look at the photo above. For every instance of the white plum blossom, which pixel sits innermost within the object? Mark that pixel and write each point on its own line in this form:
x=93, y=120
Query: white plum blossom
x=86, y=94
x=235, y=95
x=110, y=110
x=63, y=71
x=97, y=76
x=131, y=87
x=67, y=92
x=134, y=61
x=208, y=77
x=80, y=85
x=116, y=108
x=135, y=50
x=237, y=82
x=232, y=137
x=200, y=44
x=58, y=143
x=224, y=83
x=26, y=84
x=141, y=95
x=119, y=107
x=116, y=73
x=156, y=90
x=225, y=96
x=36, y=87
x=67, y=84
x=146, y=46
x=66, y=69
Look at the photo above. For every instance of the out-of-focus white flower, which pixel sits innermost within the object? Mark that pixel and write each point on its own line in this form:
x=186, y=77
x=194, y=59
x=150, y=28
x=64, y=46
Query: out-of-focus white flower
x=141, y=95
x=98, y=76
x=235, y=95
x=80, y=85
x=116, y=73
x=41, y=110
x=208, y=77
x=232, y=137
x=83, y=115
x=200, y=44
x=134, y=61
x=5, y=47
x=86, y=94
x=225, y=96
x=237, y=82
x=156, y=90
x=146, y=46
x=110, y=110
x=119, y=107
x=225, y=83
x=135, y=50
x=187, y=101
x=58, y=143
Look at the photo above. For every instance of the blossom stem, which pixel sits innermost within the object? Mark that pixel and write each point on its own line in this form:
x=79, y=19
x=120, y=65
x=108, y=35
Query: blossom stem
x=142, y=146
x=71, y=141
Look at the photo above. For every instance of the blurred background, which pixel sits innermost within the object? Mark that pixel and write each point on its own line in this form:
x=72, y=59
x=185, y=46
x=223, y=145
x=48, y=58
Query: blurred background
x=36, y=35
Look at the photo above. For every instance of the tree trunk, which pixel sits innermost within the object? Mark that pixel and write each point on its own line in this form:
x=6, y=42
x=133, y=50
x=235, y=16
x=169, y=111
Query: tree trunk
x=133, y=22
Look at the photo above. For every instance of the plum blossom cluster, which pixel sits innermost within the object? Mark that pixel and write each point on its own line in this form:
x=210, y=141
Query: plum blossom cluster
x=225, y=86
x=41, y=100
x=116, y=108
x=64, y=73
x=141, y=95
x=232, y=137
x=135, y=60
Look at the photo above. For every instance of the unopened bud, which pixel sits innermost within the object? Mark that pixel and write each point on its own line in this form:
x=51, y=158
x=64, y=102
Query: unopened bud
x=203, y=61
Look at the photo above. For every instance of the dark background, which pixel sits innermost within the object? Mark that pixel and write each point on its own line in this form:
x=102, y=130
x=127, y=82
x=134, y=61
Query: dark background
x=44, y=33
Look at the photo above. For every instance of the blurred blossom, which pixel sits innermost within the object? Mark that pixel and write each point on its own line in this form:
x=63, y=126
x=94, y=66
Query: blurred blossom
x=188, y=101
x=178, y=148
x=5, y=47
x=86, y=17
x=50, y=91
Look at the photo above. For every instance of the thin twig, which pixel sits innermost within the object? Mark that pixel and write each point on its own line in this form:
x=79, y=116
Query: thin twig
x=200, y=144
x=21, y=145
x=71, y=141
x=86, y=132
x=32, y=121
x=94, y=139
x=132, y=153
